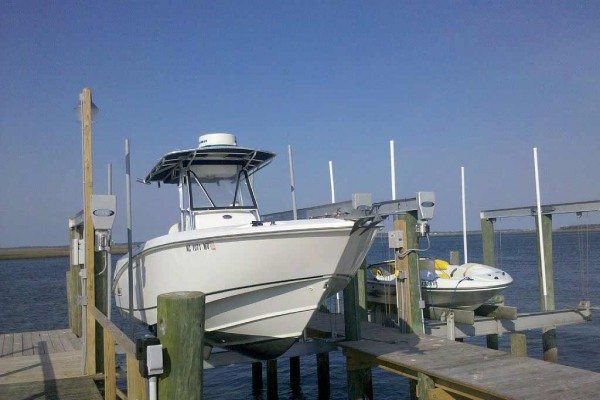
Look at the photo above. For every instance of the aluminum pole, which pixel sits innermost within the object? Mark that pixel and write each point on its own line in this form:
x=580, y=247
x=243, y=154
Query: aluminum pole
x=393, y=169
x=539, y=223
x=331, y=182
x=464, y=213
x=109, y=258
x=129, y=234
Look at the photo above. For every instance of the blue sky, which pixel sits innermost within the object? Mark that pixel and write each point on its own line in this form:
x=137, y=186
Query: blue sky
x=473, y=84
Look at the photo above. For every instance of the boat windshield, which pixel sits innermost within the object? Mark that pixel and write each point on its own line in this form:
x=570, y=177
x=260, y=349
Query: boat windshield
x=220, y=186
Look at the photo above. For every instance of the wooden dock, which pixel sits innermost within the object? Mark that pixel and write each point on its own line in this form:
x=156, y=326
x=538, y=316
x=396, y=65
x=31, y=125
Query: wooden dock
x=458, y=368
x=43, y=365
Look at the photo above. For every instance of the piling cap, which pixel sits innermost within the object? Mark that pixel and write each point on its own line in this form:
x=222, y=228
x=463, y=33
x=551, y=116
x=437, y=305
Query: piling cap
x=217, y=139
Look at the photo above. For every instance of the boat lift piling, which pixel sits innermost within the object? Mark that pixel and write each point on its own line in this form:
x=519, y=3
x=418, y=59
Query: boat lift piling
x=545, y=267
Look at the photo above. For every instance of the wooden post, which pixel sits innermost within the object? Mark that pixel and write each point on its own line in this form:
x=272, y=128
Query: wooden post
x=272, y=383
x=110, y=378
x=257, y=378
x=360, y=383
x=518, y=345
x=454, y=257
x=86, y=111
x=488, y=241
x=547, y=302
x=136, y=384
x=74, y=284
x=549, y=344
x=424, y=383
x=323, y=375
x=74, y=288
x=409, y=265
x=295, y=373
x=100, y=259
x=180, y=329
x=361, y=276
x=492, y=341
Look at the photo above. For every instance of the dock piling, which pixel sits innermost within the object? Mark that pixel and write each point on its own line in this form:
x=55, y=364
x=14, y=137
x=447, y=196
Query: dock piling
x=272, y=392
x=180, y=329
x=257, y=378
x=323, y=384
x=360, y=383
x=295, y=373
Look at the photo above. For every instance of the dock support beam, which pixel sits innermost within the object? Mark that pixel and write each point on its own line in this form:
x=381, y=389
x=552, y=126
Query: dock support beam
x=180, y=329
x=360, y=383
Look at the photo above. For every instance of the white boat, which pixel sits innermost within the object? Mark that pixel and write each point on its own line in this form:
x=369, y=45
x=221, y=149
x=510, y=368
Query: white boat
x=262, y=280
x=465, y=286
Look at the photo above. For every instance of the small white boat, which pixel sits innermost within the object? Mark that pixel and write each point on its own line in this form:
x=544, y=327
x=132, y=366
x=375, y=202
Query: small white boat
x=262, y=280
x=465, y=286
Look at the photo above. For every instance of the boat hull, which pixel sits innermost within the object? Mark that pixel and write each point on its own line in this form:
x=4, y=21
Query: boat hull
x=470, y=286
x=262, y=283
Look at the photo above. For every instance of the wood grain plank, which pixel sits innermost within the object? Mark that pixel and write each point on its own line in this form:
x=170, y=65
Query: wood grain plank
x=27, y=344
x=17, y=345
x=56, y=343
x=63, y=389
x=45, y=344
x=7, y=347
x=35, y=342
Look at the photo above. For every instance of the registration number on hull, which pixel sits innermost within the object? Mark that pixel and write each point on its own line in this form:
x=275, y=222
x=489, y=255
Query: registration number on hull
x=203, y=246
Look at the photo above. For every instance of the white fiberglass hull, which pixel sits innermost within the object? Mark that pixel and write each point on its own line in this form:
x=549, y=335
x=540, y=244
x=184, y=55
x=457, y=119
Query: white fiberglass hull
x=262, y=283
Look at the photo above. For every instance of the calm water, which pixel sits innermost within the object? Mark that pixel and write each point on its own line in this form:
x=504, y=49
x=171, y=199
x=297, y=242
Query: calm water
x=24, y=283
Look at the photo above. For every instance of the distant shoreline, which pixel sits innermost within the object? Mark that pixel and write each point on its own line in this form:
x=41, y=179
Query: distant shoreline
x=20, y=253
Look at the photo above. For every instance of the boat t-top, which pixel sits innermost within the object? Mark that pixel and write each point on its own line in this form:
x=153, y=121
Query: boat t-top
x=263, y=280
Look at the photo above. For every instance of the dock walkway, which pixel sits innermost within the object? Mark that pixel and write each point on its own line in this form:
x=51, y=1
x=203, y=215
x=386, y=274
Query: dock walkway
x=471, y=371
x=43, y=365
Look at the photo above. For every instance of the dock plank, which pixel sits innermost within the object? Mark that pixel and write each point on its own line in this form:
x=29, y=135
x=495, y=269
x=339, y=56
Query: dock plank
x=40, y=367
x=27, y=344
x=17, y=345
x=35, y=341
x=81, y=388
x=472, y=371
x=7, y=347
x=57, y=345
x=499, y=377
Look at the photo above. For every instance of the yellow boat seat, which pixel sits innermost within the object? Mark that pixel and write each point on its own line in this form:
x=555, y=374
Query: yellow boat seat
x=441, y=265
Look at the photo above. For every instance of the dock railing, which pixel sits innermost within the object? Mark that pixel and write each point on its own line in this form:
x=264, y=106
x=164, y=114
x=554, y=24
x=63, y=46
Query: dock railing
x=136, y=384
x=111, y=334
